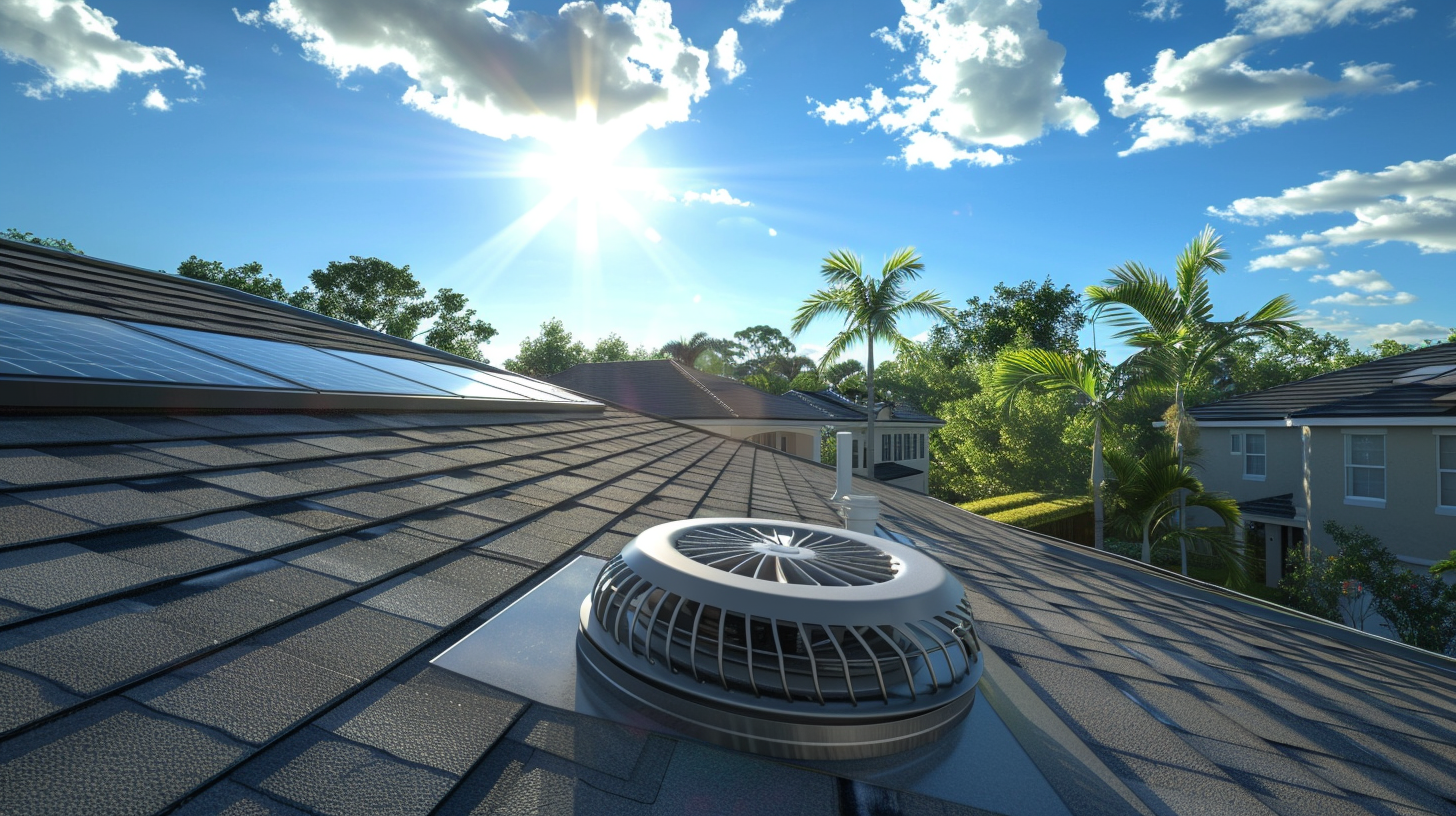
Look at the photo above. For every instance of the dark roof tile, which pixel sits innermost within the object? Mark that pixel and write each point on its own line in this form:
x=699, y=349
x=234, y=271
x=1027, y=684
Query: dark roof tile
x=114, y=758
x=92, y=650
x=106, y=505
x=243, y=530
x=321, y=773
x=22, y=466
x=260, y=483
x=435, y=718
x=163, y=550
x=56, y=575
x=350, y=639
x=231, y=799
x=348, y=558
x=25, y=699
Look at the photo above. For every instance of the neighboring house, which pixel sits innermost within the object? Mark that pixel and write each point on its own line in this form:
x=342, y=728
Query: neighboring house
x=1373, y=445
x=792, y=423
x=235, y=535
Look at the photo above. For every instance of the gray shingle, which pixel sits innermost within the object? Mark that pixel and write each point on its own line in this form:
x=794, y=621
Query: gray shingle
x=349, y=559
x=437, y=718
x=231, y=799
x=350, y=639
x=163, y=550
x=422, y=599
x=24, y=700
x=60, y=430
x=251, y=694
x=261, y=483
x=93, y=650
x=29, y=467
x=319, y=772
x=455, y=524
x=113, y=758
x=106, y=504
x=243, y=530
x=59, y=574
x=207, y=453
x=21, y=523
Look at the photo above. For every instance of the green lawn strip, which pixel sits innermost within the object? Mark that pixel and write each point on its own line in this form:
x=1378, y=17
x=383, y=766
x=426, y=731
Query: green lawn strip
x=1043, y=512
x=997, y=504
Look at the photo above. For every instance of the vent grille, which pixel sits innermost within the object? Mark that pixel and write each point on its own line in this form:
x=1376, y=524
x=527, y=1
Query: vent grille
x=788, y=555
x=795, y=661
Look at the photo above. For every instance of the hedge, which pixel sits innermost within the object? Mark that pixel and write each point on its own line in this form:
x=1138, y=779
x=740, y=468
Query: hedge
x=996, y=504
x=1046, y=512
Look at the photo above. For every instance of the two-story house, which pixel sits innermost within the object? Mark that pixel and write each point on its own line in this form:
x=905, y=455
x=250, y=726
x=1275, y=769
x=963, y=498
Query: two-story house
x=1373, y=445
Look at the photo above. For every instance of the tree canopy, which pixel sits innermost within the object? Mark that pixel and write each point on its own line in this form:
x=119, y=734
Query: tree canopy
x=1028, y=314
x=13, y=234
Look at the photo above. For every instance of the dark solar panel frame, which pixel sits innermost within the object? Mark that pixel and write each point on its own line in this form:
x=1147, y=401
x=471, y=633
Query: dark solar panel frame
x=529, y=389
x=43, y=343
x=304, y=364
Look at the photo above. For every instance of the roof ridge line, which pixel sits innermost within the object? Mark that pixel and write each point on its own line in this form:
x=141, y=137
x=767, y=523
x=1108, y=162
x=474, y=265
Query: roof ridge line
x=681, y=369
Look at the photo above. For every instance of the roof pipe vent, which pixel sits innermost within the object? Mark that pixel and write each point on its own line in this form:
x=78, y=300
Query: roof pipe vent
x=787, y=639
x=843, y=458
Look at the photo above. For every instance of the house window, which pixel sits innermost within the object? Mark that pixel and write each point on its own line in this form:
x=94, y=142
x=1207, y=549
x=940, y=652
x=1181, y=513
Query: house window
x=784, y=444
x=899, y=447
x=885, y=447
x=1256, y=462
x=1236, y=443
x=1365, y=466
x=1446, y=471
x=854, y=459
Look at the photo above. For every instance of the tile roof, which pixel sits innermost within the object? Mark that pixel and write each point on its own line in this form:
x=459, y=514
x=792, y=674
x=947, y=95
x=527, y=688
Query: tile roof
x=668, y=389
x=835, y=401
x=205, y=613
x=1365, y=390
x=265, y=642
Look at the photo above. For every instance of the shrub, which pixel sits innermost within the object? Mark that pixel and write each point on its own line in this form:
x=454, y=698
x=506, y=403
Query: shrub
x=1420, y=609
x=1046, y=512
x=996, y=504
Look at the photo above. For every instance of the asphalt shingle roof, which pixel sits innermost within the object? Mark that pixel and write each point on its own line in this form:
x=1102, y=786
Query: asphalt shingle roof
x=242, y=620
x=668, y=389
x=1365, y=390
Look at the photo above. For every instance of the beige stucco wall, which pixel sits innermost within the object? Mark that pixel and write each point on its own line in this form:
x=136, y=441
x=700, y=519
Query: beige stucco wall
x=1408, y=524
x=1222, y=471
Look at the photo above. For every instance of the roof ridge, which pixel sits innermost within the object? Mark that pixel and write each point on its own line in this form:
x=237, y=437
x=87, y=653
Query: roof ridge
x=681, y=369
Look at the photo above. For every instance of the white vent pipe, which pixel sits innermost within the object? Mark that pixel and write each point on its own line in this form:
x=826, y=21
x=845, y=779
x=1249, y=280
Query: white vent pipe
x=860, y=513
x=843, y=458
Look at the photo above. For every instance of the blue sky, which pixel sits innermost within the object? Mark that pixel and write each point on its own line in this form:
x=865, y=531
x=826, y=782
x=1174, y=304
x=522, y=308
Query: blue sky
x=662, y=176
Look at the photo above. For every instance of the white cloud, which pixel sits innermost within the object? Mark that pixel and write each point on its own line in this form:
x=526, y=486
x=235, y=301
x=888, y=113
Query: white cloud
x=652, y=235
x=514, y=74
x=156, y=100
x=1344, y=323
x=1352, y=299
x=727, y=56
x=1212, y=93
x=1414, y=202
x=1366, y=280
x=77, y=48
x=1283, y=18
x=985, y=76
x=717, y=195
x=253, y=18
x=765, y=12
x=1296, y=259
x=1161, y=9
x=772, y=232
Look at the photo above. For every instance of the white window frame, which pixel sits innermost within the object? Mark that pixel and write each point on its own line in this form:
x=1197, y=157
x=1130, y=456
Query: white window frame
x=1366, y=501
x=1236, y=444
x=1255, y=477
x=1443, y=509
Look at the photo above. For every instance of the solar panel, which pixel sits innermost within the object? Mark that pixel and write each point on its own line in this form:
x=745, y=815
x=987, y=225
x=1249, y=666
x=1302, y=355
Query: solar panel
x=430, y=375
x=303, y=364
x=527, y=388
x=44, y=343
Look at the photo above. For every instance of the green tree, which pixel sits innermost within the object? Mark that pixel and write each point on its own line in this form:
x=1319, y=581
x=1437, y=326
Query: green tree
x=1171, y=324
x=553, y=351
x=1029, y=314
x=1084, y=375
x=373, y=293
x=249, y=277
x=871, y=310
x=610, y=349
x=1149, y=492
x=456, y=329
x=13, y=234
x=688, y=350
x=835, y=374
x=764, y=341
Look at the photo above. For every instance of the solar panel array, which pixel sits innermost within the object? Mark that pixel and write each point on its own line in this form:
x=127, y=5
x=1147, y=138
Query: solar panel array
x=41, y=343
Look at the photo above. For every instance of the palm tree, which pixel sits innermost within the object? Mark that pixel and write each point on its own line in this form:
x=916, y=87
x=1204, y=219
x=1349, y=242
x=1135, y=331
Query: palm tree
x=1083, y=374
x=688, y=351
x=1171, y=322
x=871, y=310
x=1147, y=493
